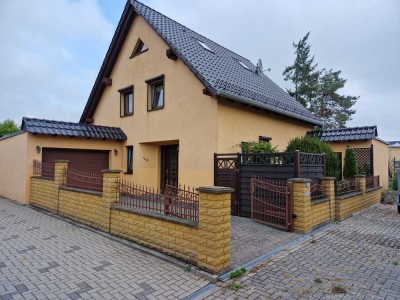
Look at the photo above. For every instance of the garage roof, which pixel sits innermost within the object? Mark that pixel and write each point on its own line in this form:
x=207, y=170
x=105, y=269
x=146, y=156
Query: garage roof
x=346, y=134
x=59, y=128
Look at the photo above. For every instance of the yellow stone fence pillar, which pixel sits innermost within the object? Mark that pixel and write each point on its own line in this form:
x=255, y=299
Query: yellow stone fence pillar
x=361, y=180
x=302, y=204
x=60, y=169
x=214, y=235
x=328, y=184
x=110, y=196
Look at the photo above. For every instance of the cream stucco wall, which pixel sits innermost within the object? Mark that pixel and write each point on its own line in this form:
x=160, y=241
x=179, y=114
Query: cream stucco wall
x=380, y=156
x=189, y=117
x=13, y=167
x=394, y=153
x=238, y=124
x=381, y=162
x=17, y=154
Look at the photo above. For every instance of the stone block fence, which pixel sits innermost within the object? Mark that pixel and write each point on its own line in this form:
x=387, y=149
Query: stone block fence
x=205, y=243
x=309, y=214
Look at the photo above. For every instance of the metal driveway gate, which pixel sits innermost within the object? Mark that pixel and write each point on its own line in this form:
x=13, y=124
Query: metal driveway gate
x=272, y=203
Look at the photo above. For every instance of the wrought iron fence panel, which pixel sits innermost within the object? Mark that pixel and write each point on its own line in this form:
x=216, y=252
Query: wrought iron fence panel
x=84, y=180
x=347, y=186
x=43, y=169
x=317, y=190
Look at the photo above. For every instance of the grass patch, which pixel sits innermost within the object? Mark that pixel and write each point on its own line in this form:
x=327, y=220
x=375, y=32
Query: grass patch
x=237, y=273
x=235, y=286
x=395, y=261
x=338, y=289
x=317, y=280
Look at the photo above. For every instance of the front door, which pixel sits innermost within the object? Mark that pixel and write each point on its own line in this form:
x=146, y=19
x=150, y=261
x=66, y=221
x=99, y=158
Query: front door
x=169, y=165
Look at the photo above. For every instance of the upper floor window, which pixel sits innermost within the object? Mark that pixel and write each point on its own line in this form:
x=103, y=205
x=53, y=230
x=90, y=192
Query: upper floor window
x=140, y=47
x=126, y=101
x=155, y=93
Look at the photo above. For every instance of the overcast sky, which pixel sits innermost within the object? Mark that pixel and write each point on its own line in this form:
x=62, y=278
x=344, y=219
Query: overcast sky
x=52, y=50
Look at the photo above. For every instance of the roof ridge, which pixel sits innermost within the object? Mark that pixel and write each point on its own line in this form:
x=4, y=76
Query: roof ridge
x=132, y=1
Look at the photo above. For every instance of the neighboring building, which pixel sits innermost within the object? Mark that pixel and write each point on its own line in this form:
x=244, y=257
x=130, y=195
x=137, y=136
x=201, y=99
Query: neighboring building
x=394, y=156
x=371, y=152
x=178, y=97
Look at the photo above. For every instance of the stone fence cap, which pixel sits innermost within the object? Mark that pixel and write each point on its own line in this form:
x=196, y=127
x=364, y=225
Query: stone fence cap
x=215, y=189
x=301, y=180
x=61, y=161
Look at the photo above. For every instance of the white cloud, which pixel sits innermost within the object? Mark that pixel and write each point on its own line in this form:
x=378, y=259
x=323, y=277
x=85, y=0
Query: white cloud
x=44, y=71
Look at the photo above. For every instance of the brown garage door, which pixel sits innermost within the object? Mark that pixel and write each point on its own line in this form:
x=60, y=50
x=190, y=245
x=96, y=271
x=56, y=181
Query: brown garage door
x=92, y=161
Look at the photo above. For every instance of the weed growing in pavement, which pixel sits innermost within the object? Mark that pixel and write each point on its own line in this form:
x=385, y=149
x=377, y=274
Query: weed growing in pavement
x=237, y=273
x=317, y=280
x=236, y=285
x=338, y=289
x=186, y=268
x=395, y=261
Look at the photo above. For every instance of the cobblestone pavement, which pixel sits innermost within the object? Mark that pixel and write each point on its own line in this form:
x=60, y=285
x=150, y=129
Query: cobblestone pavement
x=250, y=240
x=42, y=257
x=355, y=259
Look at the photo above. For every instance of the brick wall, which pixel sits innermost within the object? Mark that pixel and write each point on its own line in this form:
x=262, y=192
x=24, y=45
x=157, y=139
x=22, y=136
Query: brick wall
x=171, y=238
x=347, y=205
x=84, y=207
x=44, y=193
x=320, y=213
x=205, y=244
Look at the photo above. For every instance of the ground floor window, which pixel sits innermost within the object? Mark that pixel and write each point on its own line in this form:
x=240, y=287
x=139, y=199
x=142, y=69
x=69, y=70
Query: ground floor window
x=129, y=159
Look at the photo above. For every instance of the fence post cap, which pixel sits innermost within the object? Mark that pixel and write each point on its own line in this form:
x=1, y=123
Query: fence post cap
x=61, y=161
x=215, y=189
x=360, y=175
x=328, y=178
x=110, y=171
x=301, y=180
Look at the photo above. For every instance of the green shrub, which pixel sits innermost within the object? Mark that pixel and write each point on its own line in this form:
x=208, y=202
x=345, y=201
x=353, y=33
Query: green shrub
x=315, y=145
x=258, y=147
x=350, y=168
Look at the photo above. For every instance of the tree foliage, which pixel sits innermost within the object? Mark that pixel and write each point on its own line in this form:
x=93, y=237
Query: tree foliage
x=317, y=89
x=8, y=127
x=258, y=147
x=315, y=145
x=350, y=168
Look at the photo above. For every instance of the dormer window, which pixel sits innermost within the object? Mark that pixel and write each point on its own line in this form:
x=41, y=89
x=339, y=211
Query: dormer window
x=205, y=46
x=140, y=47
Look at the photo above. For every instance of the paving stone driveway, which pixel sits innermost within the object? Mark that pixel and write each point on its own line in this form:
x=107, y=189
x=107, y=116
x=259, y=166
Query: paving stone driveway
x=42, y=257
x=357, y=255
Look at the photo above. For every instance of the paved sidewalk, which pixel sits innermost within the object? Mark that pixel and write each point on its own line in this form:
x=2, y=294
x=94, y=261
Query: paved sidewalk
x=42, y=257
x=250, y=240
x=358, y=256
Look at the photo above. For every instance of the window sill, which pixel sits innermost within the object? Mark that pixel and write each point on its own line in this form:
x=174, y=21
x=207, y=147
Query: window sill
x=130, y=173
x=153, y=109
x=130, y=115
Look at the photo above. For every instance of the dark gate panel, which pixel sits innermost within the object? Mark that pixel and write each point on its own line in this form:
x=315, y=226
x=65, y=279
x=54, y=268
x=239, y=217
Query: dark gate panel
x=226, y=174
x=271, y=203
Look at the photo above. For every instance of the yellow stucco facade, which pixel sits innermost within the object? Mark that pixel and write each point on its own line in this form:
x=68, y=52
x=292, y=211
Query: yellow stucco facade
x=202, y=125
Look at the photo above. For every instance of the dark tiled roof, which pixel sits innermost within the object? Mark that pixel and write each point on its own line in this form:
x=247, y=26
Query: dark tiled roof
x=219, y=69
x=391, y=143
x=346, y=134
x=48, y=127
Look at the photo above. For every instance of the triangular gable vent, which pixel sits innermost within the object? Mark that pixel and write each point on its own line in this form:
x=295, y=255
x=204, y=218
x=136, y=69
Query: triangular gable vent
x=140, y=47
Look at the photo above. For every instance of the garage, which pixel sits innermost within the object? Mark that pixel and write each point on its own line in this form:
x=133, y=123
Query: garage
x=93, y=161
